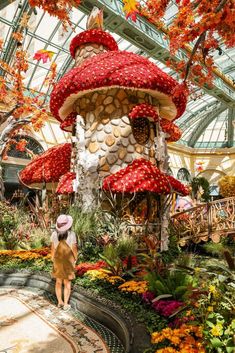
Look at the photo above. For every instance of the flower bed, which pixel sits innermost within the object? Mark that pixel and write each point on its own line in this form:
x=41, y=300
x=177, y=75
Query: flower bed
x=197, y=317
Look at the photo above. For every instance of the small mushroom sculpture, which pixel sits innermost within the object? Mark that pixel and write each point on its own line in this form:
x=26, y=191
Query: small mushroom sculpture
x=47, y=167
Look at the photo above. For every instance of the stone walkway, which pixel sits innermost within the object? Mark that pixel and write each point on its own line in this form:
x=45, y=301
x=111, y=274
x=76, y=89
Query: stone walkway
x=30, y=323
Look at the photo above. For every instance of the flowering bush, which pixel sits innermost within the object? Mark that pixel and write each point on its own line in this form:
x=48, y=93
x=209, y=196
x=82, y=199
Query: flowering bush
x=186, y=338
x=83, y=267
x=166, y=307
x=26, y=255
x=134, y=286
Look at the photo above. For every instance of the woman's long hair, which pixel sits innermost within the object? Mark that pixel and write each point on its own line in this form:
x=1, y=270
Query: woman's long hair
x=62, y=236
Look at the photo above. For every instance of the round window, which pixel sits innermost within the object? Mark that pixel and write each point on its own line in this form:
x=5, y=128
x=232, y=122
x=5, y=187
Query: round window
x=141, y=130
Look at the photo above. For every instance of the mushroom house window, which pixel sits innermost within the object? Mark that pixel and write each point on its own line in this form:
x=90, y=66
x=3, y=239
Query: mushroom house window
x=32, y=145
x=141, y=130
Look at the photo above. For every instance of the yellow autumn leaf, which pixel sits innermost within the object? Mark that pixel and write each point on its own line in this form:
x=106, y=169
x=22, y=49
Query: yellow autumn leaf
x=129, y=6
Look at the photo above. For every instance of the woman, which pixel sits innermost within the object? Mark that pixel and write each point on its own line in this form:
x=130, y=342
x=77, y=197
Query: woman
x=64, y=256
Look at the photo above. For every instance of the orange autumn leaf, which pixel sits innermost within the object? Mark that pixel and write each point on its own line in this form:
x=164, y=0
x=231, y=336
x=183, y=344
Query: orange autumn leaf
x=130, y=8
x=20, y=146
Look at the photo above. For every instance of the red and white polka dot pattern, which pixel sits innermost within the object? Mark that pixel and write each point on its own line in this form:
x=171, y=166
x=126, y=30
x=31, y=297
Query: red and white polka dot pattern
x=65, y=185
x=49, y=166
x=171, y=129
x=117, y=69
x=93, y=36
x=144, y=110
x=141, y=175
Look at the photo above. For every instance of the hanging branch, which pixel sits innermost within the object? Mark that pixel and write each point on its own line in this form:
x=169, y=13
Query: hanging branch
x=201, y=41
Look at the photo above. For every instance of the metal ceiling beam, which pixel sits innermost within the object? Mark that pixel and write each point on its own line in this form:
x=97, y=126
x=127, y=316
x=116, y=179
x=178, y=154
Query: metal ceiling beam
x=207, y=109
x=200, y=128
x=231, y=128
x=11, y=47
x=144, y=35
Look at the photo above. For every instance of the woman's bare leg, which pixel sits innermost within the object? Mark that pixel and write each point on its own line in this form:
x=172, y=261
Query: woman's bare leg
x=67, y=290
x=58, y=291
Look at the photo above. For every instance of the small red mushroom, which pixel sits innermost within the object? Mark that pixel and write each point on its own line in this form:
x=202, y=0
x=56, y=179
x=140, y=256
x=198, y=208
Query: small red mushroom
x=140, y=176
x=47, y=167
x=173, y=131
x=65, y=185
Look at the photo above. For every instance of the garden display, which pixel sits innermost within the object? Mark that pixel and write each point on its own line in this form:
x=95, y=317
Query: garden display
x=174, y=274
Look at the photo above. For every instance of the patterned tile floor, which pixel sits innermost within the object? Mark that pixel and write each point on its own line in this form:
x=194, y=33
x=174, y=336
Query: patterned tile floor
x=108, y=336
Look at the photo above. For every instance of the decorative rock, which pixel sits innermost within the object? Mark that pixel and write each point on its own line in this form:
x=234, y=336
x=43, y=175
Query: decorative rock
x=100, y=127
x=102, y=161
x=105, y=168
x=114, y=148
x=117, y=113
x=90, y=107
x=103, y=147
x=94, y=97
x=125, y=132
x=108, y=128
x=98, y=111
x=115, y=122
x=108, y=100
x=112, y=92
x=100, y=99
x=139, y=149
x=110, y=109
x=88, y=134
x=116, y=131
x=132, y=139
x=126, y=120
x=93, y=147
x=100, y=136
x=93, y=138
x=125, y=109
x=94, y=126
x=121, y=95
x=130, y=149
x=114, y=169
x=90, y=117
x=117, y=103
x=129, y=158
x=110, y=140
x=105, y=119
x=111, y=158
x=125, y=142
x=125, y=102
x=82, y=103
x=122, y=153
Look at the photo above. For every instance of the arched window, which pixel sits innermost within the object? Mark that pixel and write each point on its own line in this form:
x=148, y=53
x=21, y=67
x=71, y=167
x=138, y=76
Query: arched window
x=32, y=145
x=141, y=130
x=183, y=175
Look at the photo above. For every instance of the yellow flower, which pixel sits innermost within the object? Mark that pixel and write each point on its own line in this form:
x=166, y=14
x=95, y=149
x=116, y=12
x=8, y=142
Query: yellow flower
x=96, y=274
x=197, y=270
x=212, y=289
x=217, y=330
x=114, y=279
x=210, y=308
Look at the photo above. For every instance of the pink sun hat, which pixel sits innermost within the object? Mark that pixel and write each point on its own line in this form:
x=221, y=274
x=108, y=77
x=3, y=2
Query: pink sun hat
x=64, y=223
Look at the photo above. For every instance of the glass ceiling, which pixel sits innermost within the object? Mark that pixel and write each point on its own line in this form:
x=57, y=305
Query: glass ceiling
x=207, y=122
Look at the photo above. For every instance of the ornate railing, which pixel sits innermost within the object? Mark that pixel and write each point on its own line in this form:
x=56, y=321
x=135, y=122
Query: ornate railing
x=206, y=221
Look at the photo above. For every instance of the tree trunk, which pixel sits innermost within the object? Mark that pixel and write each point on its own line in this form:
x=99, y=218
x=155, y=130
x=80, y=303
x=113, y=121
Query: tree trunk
x=85, y=169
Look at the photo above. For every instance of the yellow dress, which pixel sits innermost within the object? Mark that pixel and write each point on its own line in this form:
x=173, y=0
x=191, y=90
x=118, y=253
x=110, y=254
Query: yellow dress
x=63, y=264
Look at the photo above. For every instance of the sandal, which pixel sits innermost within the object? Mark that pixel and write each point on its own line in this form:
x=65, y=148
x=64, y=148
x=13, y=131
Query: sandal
x=67, y=307
x=60, y=306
